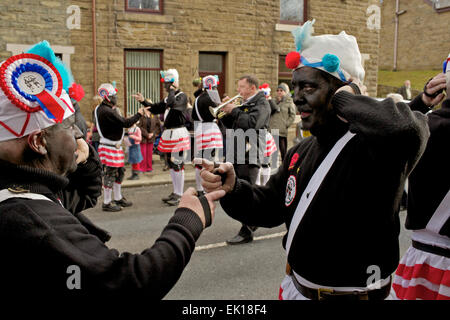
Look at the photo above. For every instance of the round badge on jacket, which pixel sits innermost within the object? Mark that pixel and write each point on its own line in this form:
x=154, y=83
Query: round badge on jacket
x=291, y=190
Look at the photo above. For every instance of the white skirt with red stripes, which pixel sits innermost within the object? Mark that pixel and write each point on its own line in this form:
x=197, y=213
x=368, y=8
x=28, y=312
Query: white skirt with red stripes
x=111, y=156
x=174, y=140
x=271, y=147
x=207, y=136
x=422, y=276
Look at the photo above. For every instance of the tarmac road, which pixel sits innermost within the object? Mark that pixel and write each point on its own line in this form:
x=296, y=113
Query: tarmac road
x=216, y=271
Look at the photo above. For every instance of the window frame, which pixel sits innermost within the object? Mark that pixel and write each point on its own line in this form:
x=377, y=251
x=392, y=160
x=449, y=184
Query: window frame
x=125, y=68
x=148, y=11
x=305, y=15
x=222, y=75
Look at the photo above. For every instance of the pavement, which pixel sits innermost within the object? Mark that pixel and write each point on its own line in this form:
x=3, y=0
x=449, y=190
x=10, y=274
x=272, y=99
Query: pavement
x=158, y=176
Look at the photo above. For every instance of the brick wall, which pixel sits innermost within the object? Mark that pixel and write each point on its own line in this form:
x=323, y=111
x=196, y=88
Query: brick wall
x=243, y=29
x=423, y=36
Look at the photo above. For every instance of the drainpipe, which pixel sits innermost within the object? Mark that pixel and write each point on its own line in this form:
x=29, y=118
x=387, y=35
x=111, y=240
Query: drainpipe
x=397, y=15
x=94, y=46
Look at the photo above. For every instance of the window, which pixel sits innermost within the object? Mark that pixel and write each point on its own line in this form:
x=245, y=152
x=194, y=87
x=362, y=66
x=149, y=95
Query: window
x=149, y=6
x=293, y=11
x=213, y=63
x=439, y=5
x=284, y=74
x=142, y=75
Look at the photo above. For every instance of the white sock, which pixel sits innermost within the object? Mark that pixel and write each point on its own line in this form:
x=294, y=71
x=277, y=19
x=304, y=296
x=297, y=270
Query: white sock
x=117, y=191
x=265, y=175
x=179, y=182
x=258, y=178
x=198, y=179
x=107, y=193
x=174, y=180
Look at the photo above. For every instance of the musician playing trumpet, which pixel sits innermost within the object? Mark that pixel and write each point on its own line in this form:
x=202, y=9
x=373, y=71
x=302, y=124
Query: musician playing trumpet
x=254, y=113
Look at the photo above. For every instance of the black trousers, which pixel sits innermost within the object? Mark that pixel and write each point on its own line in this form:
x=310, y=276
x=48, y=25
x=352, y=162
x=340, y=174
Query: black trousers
x=281, y=143
x=249, y=173
x=113, y=174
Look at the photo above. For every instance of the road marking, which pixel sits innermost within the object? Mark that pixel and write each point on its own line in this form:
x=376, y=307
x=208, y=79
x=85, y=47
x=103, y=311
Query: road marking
x=223, y=244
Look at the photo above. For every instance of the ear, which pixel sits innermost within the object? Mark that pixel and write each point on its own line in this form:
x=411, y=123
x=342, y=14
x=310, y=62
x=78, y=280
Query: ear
x=37, y=142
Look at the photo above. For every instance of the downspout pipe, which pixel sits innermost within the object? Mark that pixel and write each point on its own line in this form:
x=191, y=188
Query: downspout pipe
x=94, y=47
x=397, y=15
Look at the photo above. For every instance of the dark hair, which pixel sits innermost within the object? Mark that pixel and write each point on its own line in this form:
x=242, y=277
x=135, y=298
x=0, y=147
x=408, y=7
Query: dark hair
x=252, y=80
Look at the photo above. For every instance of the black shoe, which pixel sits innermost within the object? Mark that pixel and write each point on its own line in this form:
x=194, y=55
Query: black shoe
x=134, y=176
x=123, y=202
x=240, y=239
x=174, y=201
x=169, y=197
x=111, y=207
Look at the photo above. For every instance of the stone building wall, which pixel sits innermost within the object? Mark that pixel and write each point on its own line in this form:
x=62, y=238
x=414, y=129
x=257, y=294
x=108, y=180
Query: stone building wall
x=246, y=30
x=423, y=36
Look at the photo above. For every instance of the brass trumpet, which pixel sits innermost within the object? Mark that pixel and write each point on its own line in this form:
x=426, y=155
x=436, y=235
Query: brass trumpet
x=217, y=112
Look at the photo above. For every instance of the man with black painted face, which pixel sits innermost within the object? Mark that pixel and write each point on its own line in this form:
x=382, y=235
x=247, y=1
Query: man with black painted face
x=338, y=191
x=48, y=175
x=110, y=126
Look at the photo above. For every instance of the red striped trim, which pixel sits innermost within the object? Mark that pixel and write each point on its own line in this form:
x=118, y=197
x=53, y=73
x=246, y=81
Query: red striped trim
x=175, y=141
x=112, y=150
x=113, y=164
x=210, y=134
x=280, y=294
x=425, y=271
x=417, y=292
x=210, y=146
x=207, y=140
x=165, y=145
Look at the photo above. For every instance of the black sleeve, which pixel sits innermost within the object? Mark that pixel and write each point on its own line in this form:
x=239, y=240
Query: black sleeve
x=180, y=102
x=113, y=117
x=391, y=127
x=254, y=119
x=417, y=104
x=85, y=185
x=154, y=271
x=259, y=205
x=273, y=107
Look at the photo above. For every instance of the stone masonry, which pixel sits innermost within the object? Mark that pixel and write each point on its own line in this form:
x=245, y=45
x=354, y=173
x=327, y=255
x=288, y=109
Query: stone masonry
x=247, y=31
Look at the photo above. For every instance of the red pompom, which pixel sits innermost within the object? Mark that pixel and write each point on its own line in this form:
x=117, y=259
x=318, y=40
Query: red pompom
x=264, y=86
x=76, y=92
x=292, y=60
x=162, y=80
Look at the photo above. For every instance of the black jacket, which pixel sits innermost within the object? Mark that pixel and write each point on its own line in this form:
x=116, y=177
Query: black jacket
x=430, y=180
x=203, y=102
x=40, y=239
x=352, y=223
x=253, y=114
x=177, y=102
x=111, y=123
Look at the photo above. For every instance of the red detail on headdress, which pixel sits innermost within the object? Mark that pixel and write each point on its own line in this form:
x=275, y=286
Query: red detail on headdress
x=292, y=60
x=264, y=86
x=162, y=79
x=6, y=89
x=76, y=92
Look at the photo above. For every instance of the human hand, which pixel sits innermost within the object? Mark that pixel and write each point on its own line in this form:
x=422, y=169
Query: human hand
x=433, y=86
x=82, y=151
x=212, y=175
x=353, y=87
x=138, y=96
x=190, y=200
x=229, y=108
x=141, y=111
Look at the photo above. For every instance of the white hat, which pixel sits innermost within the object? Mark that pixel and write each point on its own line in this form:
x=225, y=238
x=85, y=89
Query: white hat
x=32, y=93
x=210, y=81
x=106, y=90
x=170, y=75
x=337, y=55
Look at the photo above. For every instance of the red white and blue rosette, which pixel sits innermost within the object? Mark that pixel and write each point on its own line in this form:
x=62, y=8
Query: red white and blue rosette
x=33, y=84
